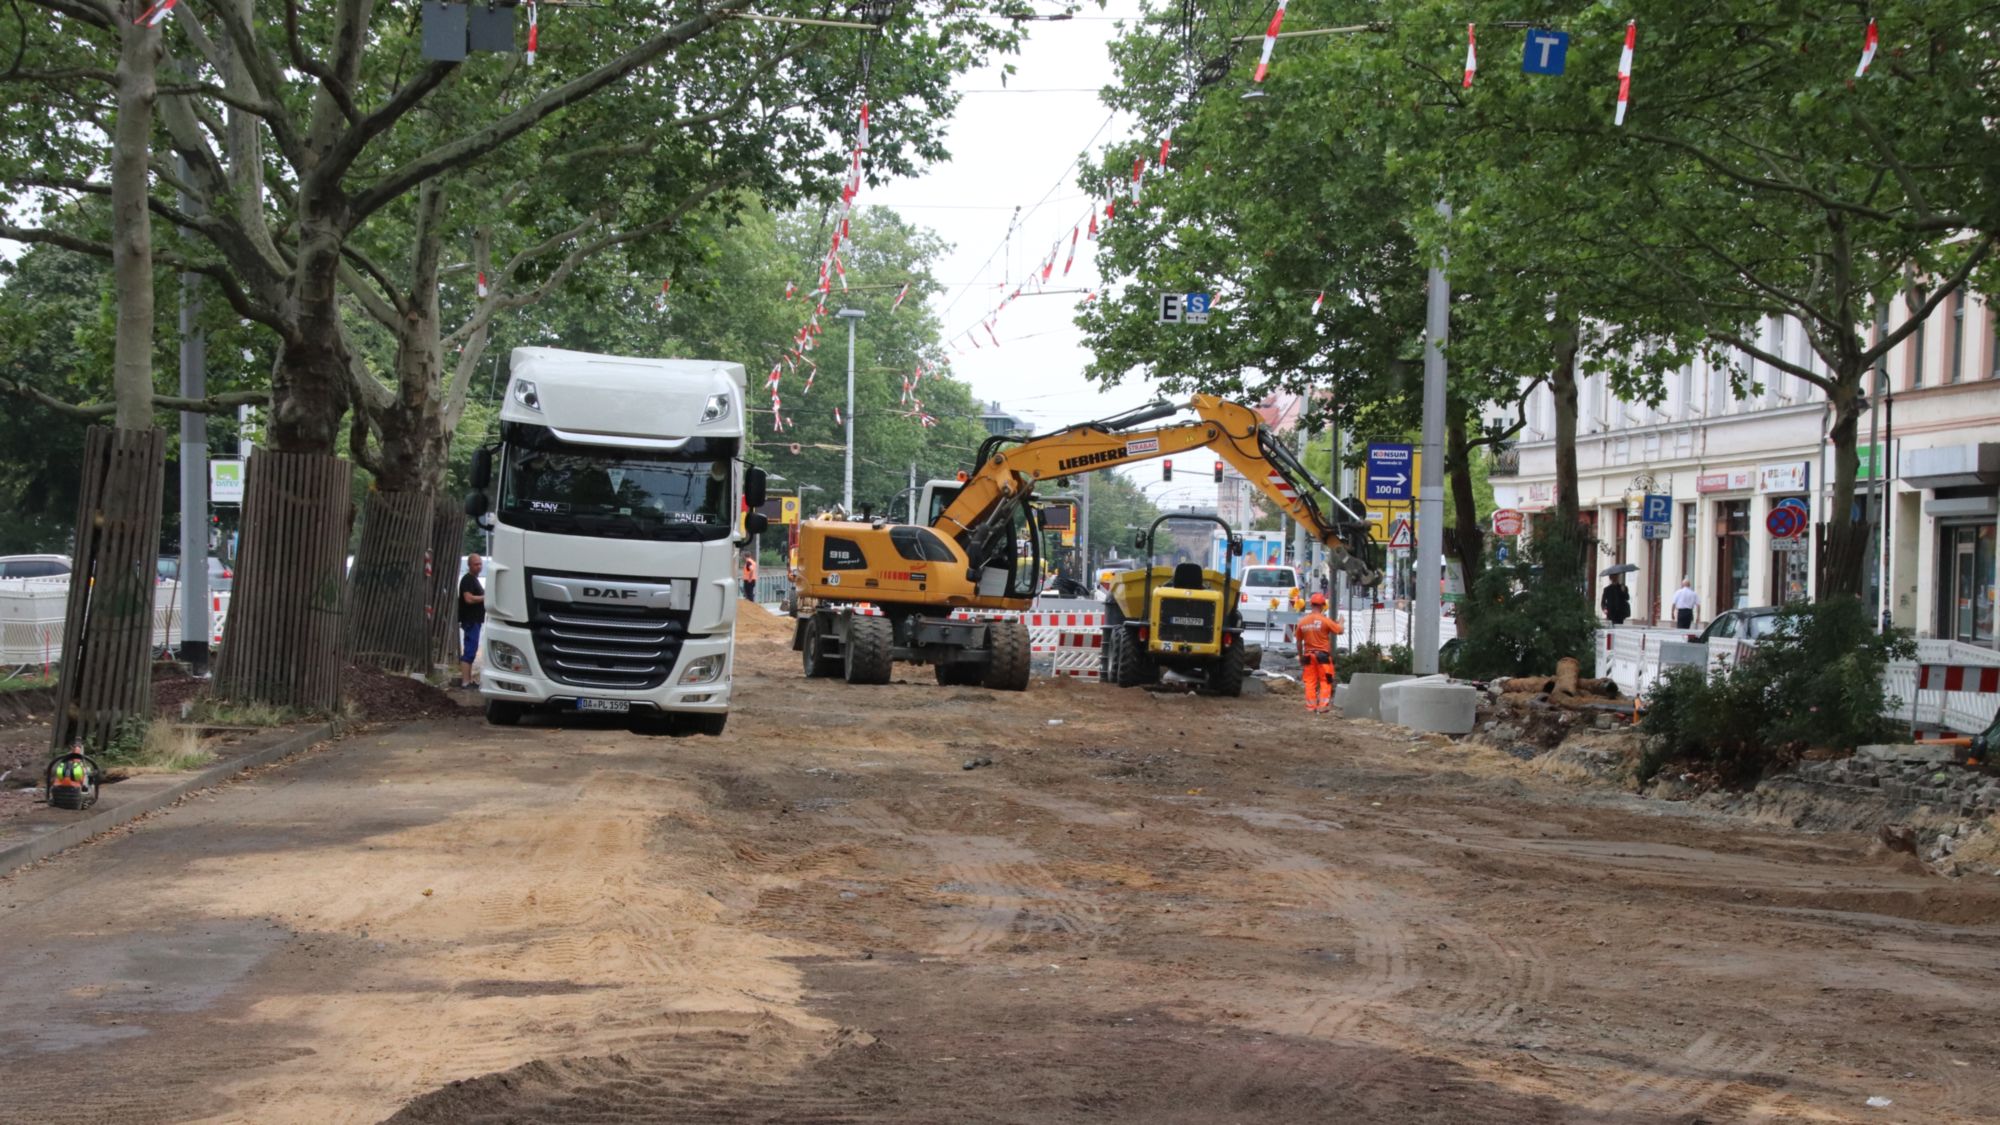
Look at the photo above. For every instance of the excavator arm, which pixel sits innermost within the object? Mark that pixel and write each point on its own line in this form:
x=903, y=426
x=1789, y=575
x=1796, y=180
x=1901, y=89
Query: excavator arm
x=1008, y=471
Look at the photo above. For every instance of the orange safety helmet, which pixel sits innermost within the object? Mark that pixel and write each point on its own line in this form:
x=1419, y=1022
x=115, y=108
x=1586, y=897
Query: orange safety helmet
x=1317, y=600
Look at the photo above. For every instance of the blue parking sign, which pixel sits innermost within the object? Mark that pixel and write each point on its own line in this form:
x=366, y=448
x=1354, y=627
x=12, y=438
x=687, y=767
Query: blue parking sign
x=1544, y=52
x=1659, y=508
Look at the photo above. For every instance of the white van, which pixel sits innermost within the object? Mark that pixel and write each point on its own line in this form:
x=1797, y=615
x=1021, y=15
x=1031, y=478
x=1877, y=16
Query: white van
x=1271, y=594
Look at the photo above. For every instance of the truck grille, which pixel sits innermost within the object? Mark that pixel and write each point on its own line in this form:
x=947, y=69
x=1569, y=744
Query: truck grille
x=624, y=648
x=1186, y=621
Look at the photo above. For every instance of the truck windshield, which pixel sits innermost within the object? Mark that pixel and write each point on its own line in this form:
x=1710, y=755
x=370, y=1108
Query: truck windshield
x=580, y=490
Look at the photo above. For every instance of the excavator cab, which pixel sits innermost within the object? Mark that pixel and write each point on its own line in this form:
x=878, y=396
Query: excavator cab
x=1180, y=617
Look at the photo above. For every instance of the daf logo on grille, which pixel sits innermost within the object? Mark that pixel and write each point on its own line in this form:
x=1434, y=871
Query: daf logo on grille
x=608, y=592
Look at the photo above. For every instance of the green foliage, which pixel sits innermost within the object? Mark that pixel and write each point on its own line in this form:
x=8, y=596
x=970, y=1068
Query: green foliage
x=1372, y=658
x=1522, y=617
x=209, y=711
x=1815, y=682
x=156, y=745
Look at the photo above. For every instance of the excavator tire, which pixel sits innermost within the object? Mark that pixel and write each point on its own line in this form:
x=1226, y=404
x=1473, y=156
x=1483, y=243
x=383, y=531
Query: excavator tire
x=1009, y=644
x=871, y=643
x=1227, y=678
x=817, y=665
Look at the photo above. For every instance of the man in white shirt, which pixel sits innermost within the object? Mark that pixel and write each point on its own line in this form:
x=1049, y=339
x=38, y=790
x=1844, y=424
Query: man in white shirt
x=1684, y=605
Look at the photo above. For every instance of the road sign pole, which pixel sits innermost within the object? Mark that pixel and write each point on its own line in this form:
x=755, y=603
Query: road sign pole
x=1430, y=495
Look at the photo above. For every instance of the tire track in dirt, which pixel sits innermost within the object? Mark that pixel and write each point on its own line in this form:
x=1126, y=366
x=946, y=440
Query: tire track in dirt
x=1713, y=1068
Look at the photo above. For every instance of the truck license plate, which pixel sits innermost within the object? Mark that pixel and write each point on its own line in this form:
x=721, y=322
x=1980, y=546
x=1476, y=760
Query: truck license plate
x=613, y=706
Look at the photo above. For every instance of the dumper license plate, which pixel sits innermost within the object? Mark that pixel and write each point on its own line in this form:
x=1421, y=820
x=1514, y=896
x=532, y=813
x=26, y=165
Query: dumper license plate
x=612, y=706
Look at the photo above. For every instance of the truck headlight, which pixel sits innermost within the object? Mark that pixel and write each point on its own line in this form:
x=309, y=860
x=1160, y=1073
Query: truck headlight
x=507, y=658
x=717, y=408
x=704, y=670
x=526, y=395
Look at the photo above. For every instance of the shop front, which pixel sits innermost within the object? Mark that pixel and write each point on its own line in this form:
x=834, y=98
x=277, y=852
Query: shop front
x=1732, y=535
x=1787, y=485
x=1961, y=486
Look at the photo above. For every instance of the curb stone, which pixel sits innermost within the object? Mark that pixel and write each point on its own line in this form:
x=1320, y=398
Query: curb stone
x=62, y=839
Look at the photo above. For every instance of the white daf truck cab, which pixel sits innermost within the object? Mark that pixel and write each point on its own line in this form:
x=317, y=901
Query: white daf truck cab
x=615, y=491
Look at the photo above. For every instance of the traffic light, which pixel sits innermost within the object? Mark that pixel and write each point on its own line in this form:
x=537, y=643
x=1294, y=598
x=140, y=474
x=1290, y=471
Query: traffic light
x=1218, y=472
x=1167, y=469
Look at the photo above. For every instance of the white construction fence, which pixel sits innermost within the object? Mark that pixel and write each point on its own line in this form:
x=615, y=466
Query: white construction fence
x=1950, y=686
x=31, y=619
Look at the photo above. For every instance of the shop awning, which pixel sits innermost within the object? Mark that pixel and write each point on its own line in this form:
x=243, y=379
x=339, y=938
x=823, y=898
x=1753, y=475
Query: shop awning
x=1950, y=466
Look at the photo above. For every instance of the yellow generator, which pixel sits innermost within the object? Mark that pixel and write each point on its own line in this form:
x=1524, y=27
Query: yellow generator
x=1179, y=618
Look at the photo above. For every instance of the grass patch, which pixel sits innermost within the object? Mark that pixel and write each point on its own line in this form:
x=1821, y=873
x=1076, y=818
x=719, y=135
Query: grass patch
x=28, y=682
x=158, y=745
x=232, y=713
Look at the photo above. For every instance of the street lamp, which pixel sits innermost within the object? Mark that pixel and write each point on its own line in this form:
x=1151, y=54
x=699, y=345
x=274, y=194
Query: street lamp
x=847, y=477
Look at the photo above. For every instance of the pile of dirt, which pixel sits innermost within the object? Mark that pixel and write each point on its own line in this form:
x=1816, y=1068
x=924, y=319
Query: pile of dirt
x=173, y=687
x=755, y=623
x=26, y=705
x=386, y=697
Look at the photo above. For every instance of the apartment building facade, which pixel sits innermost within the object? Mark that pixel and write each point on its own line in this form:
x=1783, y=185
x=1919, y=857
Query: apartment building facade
x=1728, y=459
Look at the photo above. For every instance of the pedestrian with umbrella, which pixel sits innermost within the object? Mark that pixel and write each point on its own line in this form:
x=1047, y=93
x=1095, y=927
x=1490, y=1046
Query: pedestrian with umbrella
x=1617, y=600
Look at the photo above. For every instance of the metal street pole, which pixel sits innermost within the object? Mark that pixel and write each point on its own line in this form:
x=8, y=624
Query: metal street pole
x=847, y=475
x=195, y=622
x=1878, y=494
x=1083, y=533
x=1430, y=494
x=913, y=483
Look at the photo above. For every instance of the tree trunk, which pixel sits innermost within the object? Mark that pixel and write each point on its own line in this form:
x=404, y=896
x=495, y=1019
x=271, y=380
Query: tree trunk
x=1469, y=535
x=309, y=388
x=131, y=222
x=1562, y=385
x=1846, y=541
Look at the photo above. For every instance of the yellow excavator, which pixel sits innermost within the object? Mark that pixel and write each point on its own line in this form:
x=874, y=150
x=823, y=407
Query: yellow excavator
x=873, y=592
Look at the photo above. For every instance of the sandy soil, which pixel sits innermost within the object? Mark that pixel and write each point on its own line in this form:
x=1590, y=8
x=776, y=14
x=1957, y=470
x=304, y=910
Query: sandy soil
x=1164, y=908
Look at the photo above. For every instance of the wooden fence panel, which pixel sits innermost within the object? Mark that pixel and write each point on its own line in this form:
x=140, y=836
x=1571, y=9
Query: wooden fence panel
x=389, y=586
x=108, y=624
x=447, y=539
x=284, y=639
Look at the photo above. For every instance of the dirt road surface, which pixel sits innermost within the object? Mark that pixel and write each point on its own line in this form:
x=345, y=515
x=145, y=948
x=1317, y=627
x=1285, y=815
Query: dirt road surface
x=1147, y=908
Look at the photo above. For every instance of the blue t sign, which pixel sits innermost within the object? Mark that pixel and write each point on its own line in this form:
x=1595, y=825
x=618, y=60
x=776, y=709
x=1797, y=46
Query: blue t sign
x=1545, y=52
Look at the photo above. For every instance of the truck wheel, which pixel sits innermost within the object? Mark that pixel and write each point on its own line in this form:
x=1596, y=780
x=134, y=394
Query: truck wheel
x=1227, y=678
x=501, y=713
x=871, y=643
x=818, y=665
x=1126, y=663
x=1008, y=643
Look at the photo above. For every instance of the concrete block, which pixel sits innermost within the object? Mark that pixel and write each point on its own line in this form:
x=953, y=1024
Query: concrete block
x=1390, y=696
x=1905, y=753
x=1364, y=693
x=1440, y=708
x=1341, y=694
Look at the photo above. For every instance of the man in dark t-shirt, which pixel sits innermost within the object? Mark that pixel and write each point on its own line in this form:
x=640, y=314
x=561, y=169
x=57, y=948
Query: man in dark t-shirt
x=471, y=615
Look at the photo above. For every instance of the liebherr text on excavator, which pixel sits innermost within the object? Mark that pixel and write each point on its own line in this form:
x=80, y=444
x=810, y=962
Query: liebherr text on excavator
x=872, y=593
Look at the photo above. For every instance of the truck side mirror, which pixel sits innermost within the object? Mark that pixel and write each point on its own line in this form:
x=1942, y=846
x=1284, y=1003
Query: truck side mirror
x=754, y=485
x=477, y=504
x=1236, y=547
x=756, y=523
x=482, y=466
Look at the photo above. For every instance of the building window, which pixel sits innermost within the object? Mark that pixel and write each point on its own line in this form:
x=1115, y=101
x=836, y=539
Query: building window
x=1918, y=342
x=1690, y=527
x=1956, y=369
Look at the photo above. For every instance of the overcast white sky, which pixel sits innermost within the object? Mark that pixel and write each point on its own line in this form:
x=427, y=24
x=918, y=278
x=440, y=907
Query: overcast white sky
x=1017, y=149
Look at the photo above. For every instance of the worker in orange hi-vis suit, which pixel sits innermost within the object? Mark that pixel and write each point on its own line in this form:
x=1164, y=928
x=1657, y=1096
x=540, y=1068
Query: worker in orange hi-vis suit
x=1315, y=632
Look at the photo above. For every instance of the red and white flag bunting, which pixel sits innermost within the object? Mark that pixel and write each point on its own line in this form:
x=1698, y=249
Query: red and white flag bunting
x=1093, y=222
x=1166, y=143
x=157, y=14
x=534, y=30
x=836, y=416
x=900, y=294
x=1071, y=260
x=1138, y=174
x=1867, y=51
x=480, y=286
x=1270, y=41
x=1625, y=70
x=1471, y=56
x=1318, y=301
x=790, y=288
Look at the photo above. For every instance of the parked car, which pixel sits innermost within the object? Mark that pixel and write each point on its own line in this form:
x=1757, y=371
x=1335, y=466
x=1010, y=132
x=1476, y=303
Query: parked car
x=1265, y=585
x=1750, y=623
x=220, y=576
x=34, y=566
